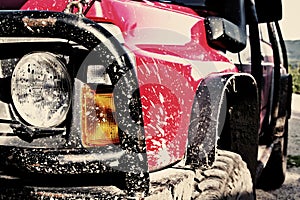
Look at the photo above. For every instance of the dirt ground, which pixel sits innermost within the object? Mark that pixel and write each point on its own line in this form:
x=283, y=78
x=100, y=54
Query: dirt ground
x=291, y=187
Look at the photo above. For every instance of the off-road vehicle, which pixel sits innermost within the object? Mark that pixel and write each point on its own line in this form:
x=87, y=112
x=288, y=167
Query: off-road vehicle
x=169, y=99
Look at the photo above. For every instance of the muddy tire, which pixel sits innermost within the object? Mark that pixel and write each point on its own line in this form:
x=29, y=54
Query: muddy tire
x=228, y=178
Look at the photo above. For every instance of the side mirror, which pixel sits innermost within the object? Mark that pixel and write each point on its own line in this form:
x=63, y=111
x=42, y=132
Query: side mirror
x=268, y=10
x=225, y=35
x=227, y=30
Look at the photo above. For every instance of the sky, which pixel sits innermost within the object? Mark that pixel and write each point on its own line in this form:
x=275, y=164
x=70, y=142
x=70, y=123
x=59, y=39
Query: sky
x=290, y=23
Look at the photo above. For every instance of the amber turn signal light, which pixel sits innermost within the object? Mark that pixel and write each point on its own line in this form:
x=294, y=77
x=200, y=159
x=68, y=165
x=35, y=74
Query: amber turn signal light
x=99, y=127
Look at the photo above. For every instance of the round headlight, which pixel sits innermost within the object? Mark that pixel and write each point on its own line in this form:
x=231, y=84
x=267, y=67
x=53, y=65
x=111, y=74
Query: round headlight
x=40, y=88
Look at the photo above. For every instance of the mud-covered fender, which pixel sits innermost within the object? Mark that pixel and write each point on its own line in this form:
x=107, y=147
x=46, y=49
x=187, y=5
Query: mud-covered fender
x=225, y=115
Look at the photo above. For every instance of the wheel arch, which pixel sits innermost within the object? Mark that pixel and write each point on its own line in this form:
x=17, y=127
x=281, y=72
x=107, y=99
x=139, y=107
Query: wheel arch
x=240, y=131
x=213, y=126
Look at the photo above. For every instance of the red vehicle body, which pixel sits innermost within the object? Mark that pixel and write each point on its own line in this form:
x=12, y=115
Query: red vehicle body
x=167, y=92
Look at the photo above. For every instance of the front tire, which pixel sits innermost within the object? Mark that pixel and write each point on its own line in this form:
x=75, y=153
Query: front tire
x=228, y=178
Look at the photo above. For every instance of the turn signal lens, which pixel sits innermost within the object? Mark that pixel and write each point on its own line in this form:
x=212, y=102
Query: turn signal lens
x=98, y=124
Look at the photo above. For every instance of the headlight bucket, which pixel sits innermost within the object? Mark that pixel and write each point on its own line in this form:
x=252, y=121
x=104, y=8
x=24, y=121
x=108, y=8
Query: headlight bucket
x=41, y=89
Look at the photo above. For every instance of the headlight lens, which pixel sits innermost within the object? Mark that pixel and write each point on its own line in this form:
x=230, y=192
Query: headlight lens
x=40, y=88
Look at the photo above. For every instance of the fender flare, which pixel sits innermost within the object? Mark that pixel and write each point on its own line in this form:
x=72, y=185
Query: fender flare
x=213, y=126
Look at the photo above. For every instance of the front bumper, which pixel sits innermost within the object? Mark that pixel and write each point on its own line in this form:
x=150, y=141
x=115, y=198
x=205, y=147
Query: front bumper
x=28, y=161
x=70, y=174
x=61, y=174
x=15, y=188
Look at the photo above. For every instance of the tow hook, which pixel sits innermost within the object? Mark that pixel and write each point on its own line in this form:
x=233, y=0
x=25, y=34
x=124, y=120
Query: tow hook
x=79, y=4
